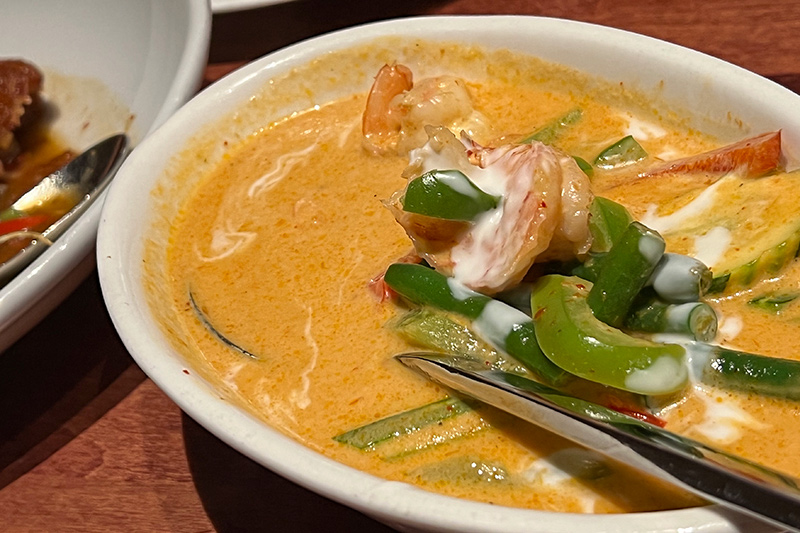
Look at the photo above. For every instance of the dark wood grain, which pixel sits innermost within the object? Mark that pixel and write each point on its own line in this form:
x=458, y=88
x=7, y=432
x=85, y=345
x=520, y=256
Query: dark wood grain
x=88, y=443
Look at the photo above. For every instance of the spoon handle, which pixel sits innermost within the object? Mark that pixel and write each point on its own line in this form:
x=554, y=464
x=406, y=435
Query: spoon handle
x=718, y=476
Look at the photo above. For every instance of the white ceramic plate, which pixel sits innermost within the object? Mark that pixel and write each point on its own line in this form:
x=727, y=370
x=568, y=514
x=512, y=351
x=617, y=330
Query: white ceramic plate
x=105, y=63
x=228, y=6
x=687, y=80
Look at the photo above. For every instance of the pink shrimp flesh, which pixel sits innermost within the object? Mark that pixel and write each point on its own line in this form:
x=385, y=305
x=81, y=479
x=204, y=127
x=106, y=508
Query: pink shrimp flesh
x=381, y=121
x=543, y=213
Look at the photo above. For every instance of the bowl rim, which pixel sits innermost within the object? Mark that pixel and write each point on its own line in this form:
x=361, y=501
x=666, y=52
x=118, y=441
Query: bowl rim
x=44, y=283
x=388, y=501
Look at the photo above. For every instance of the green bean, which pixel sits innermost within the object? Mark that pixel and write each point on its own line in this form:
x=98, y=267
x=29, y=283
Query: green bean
x=424, y=286
x=653, y=315
x=679, y=278
x=589, y=269
x=733, y=369
x=625, y=271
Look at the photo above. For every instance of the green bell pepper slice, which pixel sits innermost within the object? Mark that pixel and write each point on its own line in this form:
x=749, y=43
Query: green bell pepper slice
x=572, y=338
x=553, y=130
x=447, y=194
x=625, y=151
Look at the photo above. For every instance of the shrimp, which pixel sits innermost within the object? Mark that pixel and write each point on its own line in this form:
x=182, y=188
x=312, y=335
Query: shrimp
x=381, y=122
x=398, y=111
x=543, y=215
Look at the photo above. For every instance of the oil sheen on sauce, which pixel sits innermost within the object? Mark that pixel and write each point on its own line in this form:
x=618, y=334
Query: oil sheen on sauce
x=277, y=246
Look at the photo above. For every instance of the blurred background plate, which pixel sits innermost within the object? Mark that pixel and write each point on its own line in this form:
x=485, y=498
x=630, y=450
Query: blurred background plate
x=227, y=6
x=108, y=66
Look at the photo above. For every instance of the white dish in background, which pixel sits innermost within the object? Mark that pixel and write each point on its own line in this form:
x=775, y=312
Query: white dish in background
x=686, y=80
x=109, y=66
x=229, y=6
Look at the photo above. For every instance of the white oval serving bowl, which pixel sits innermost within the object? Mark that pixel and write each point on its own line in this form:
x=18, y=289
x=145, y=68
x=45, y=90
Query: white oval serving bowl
x=687, y=80
x=108, y=67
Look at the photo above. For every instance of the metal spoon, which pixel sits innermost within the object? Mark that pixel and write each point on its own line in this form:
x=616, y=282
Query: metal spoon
x=715, y=475
x=79, y=181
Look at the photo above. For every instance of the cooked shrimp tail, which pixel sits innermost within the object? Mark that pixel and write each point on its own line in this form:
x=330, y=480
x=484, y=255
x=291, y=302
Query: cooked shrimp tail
x=381, y=122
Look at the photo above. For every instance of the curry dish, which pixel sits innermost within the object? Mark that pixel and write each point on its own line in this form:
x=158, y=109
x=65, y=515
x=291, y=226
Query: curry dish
x=28, y=153
x=277, y=260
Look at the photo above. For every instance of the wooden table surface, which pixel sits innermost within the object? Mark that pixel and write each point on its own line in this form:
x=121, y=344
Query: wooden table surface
x=88, y=443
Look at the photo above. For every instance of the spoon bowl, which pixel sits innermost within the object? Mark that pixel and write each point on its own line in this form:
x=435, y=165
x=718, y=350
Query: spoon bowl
x=69, y=190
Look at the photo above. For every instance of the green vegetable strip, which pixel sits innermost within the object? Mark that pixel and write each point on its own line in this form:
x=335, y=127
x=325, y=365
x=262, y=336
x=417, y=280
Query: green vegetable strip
x=769, y=376
x=574, y=339
x=425, y=286
x=695, y=319
x=590, y=269
x=584, y=165
x=466, y=469
x=405, y=423
x=625, y=271
x=504, y=327
x=608, y=221
x=719, y=283
x=624, y=152
x=447, y=194
x=553, y=130
x=437, y=331
x=773, y=302
x=679, y=278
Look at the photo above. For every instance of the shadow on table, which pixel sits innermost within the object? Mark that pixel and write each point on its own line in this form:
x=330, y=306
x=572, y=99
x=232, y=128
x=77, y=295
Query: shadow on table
x=59, y=379
x=246, y=35
x=239, y=495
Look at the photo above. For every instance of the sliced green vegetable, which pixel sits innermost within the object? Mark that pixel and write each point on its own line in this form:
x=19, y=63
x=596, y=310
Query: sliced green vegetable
x=773, y=302
x=625, y=151
x=759, y=215
x=770, y=261
x=447, y=194
x=574, y=339
x=589, y=269
x=405, y=423
x=608, y=220
x=769, y=376
x=695, y=319
x=424, y=286
x=465, y=469
x=719, y=283
x=584, y=165
x=549, y=133
x=436, y=330
x=679, y=278
x=504, y=327
x=625, y=271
